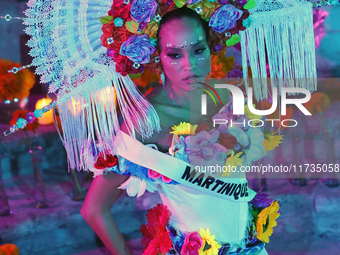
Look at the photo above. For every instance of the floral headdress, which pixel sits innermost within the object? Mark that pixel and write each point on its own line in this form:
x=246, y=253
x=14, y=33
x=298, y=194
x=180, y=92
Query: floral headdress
x=84, y=50
x=130, y=30
x=87, y=69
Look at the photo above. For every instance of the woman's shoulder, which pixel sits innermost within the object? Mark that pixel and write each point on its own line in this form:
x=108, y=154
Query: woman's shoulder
x=158, y=96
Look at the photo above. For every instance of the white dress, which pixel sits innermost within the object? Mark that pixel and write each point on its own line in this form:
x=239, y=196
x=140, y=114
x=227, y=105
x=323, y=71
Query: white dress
x=190, y=211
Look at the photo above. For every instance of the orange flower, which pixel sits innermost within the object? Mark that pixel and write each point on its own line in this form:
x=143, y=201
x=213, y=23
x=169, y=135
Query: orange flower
x=220, y=65
x=146, y=78
x=9, y=249
x=14, y=85
x=318, y=103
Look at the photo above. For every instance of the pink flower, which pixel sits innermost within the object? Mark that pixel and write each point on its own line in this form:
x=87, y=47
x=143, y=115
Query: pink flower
x=154, y=175
x=192, y=243
x=204, y=150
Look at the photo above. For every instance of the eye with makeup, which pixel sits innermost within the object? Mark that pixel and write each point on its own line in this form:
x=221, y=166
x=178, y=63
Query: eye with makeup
x=196, y=52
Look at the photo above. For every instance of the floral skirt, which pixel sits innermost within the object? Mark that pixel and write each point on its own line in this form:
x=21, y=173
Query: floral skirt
x=160, y=237
x=187, y=244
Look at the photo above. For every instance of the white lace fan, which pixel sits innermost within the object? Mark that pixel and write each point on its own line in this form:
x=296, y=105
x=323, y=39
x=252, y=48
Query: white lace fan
x=280, y=35
x=67, y=51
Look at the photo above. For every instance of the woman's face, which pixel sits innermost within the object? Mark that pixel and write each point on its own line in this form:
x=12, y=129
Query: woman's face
x=185, y=54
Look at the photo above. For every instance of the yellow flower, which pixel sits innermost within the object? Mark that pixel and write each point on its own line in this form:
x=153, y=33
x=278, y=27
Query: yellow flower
x=251, y=115
x=232, y=161
x=271, y=141
x=210, y=246
x=184, y=128
x=266, y=220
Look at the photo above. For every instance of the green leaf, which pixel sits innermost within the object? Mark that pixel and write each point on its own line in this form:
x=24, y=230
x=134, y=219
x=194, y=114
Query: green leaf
x=180, y=3
x=134, y=76
x=250, y=4
x=106, y=20
x=233, y=40
x=132, y=26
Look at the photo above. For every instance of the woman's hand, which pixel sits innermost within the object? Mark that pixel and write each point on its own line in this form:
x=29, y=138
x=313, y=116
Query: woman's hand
x=102, y=194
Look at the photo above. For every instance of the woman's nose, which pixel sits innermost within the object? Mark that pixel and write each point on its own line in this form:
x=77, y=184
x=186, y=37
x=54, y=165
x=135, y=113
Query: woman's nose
x=189, y=63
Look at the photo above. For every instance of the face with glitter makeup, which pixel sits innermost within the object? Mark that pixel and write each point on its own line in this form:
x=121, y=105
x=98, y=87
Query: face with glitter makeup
x=185, y=54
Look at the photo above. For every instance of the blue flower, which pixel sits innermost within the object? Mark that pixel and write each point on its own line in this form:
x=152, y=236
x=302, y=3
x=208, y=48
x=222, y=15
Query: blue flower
x=143, y=10
x=153, y=42
x=118, y=22
x=21, y=123
x=137, y=48
x=225, y=18
x=38, y=113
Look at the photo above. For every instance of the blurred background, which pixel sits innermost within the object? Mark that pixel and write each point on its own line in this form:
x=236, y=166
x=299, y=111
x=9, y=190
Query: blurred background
x=40, y=197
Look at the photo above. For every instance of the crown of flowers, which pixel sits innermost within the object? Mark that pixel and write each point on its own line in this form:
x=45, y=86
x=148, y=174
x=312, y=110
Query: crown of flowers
x=130, y=30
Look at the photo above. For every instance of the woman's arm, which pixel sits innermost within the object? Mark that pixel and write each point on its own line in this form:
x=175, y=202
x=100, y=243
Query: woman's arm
x=102, y=194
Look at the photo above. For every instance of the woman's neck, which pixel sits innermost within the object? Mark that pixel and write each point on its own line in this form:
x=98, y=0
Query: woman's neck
x=181, y=97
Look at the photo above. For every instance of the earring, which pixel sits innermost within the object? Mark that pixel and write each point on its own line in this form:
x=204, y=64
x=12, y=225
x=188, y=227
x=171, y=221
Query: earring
x=163, y=79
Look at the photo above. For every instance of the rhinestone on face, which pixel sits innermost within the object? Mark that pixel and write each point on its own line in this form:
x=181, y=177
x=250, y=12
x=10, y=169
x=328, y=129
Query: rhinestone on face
x=198, y=10
x=158, y=18
x=201, y=58
x=136, y=65
x=200, y=38
x=173, y=63
x=157, y=59
x=110, y=40
x=168, y=45
x=228, y=34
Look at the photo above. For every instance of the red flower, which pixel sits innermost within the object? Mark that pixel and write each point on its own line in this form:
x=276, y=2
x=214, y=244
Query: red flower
x=155, y=175
x=119, y=9
x=103, y=163
x=227, y=140
x=107, y=33
x=120, y=35
x=155, y=235
x=124, y=65
x=202, y=127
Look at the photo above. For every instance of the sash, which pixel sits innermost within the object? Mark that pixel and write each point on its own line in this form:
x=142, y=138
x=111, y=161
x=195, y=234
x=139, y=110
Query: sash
x=234, y=189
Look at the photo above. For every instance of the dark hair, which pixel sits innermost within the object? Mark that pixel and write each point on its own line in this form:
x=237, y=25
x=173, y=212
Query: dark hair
x=180, y=13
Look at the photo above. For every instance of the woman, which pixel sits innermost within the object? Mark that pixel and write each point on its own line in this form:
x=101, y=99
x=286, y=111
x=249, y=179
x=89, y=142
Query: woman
x=183, y=39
